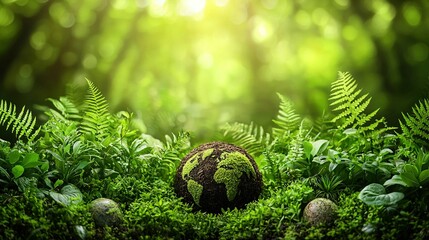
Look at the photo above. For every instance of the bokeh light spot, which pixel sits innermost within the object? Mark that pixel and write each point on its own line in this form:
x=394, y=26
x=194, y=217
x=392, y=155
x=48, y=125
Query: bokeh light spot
x=417, y=53
x=38, y=40
x=191, y=7
x=262, y=30
x=411, y=14
x=90, y=61
x=24, y=83
x=6, y=17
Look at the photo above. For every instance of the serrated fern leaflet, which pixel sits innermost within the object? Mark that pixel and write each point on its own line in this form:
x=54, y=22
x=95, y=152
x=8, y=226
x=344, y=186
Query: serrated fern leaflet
x=351, y=105
x=287, y=119
x=415, y=126
x=21, y=124
x=96, y=119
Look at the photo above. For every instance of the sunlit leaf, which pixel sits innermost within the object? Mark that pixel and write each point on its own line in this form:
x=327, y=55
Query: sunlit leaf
x=17, y=171
x=375, y=194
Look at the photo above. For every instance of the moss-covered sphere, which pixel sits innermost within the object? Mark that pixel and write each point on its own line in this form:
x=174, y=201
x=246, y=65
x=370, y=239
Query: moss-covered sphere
x=320, y=211
x=106, y=212
x=218, y=175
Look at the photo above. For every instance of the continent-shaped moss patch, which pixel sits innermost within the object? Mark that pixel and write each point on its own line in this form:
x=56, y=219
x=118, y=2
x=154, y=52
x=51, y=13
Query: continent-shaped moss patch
x=230, y=169
x=195, y=189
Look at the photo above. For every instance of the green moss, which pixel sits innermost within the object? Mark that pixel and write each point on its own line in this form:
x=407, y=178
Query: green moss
x=193, y=162
x=195, y=189
x=207, y=153
x=230, y=170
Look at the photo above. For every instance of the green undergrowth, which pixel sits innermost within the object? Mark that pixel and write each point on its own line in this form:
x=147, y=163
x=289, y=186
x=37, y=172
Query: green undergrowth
x=377, y=175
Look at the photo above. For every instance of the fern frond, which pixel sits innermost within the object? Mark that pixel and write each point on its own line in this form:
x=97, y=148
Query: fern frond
x=351, y=105
x=22, y=124
x=65, y=109
x=251, y=137
x=287, y=119
x=96, y=119
x=416, y=125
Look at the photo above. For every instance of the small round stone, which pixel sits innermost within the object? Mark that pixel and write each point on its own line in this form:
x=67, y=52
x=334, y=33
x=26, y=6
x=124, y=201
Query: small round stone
x=320, y=211
x=216, y=176
x=105, y=212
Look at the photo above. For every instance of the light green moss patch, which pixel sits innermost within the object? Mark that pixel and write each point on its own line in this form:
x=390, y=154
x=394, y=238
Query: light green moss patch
x=193, y=162
x=195, y=189
x=230, y=170
x=207, y=153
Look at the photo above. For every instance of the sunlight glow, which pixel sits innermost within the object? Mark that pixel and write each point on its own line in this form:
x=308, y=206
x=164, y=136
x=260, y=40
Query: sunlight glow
x=191, y=7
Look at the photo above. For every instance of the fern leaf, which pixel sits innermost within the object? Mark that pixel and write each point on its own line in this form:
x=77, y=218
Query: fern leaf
x=22, y=124
x=287, y=120
x=351, y=105
x=249, y=136
x=65, y=109
x=415, y=127
x=96, y=119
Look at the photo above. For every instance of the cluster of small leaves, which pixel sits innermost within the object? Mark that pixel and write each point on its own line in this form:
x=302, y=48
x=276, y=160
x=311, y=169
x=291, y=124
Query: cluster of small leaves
x=31, y=217
x=268, y=217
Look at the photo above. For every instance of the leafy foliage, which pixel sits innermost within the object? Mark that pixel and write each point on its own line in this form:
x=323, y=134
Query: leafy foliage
x=375, y=194
x=249, y=136
x=287, y=119
x=415, y=126
x=21, y=124
x=351, y=105
x=96, y=119
x=84, y=152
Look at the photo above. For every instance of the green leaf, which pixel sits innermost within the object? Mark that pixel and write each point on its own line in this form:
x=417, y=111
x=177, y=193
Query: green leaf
x=13, y=156
x=70, y=194
x=308, y=147
x=410, y=175
x=82, y=165
x=31, y=160
x=424, y=176
x=80, y=231
x=45, y=166
x=350, y=131
x=319, y=146
x=375, y=194
x=395, y=180
x=17, y=171
x=58, y=183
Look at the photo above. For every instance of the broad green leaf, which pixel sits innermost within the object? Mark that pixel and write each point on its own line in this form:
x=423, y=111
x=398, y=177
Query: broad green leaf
x=332, y=166
x=410, y=176
x=308, y=147
x=395, y=180
x=13, y=156
x=82, y=165
x=386, y=151
x=31, y=160
x=17, y=171
x=319, y=146
x=424, y=175
x=375, y=194
x=70, y=194
x=45, y=166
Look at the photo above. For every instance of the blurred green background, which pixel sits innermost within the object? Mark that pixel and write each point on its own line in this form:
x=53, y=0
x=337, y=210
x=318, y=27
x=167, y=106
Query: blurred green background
x=195, y=64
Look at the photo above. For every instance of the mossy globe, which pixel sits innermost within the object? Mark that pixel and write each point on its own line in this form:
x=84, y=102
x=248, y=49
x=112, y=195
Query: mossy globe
x=216, y=176
x=105, y=212
x=320, y=211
